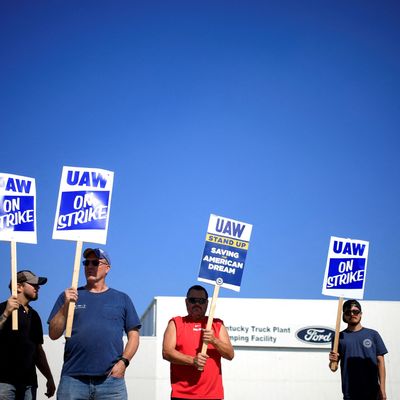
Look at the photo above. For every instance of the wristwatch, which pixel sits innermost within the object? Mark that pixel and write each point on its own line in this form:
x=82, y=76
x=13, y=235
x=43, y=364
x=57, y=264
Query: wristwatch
x=124, y=360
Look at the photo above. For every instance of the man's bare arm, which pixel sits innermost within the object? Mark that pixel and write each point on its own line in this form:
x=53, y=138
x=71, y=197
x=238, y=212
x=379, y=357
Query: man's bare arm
x=118, y=370
x=57, y=324
x=382, y=377
x=222, y=344
x=43, y=366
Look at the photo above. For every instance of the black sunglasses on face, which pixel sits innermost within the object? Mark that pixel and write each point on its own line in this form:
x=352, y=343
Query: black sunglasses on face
x=350, y=312
x=95, y=263
x=197, y=300
x=35, y=285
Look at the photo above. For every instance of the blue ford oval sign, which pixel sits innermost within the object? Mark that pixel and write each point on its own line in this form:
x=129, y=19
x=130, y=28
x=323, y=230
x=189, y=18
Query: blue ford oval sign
x=315, y=335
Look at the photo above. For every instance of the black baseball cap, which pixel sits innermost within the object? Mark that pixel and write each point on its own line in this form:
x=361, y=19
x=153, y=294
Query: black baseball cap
x=350, y=303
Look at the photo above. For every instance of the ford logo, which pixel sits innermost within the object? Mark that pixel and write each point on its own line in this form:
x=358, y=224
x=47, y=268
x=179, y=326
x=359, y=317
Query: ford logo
x=315, y=335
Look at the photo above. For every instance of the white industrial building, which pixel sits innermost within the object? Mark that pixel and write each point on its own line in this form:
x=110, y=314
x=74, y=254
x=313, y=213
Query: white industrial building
x=281, y=348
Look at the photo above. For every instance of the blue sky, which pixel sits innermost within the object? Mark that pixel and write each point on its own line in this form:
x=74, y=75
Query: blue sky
x=282, y=114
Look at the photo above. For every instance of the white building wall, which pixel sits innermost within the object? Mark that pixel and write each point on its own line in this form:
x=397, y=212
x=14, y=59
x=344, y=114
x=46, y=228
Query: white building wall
x=271, y=373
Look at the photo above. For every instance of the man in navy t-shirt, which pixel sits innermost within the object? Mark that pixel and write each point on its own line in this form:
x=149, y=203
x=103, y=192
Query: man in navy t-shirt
x=95, y=358
x=361, y=355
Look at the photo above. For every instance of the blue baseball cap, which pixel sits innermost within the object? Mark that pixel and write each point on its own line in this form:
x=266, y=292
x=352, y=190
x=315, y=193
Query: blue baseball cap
x=99, y=253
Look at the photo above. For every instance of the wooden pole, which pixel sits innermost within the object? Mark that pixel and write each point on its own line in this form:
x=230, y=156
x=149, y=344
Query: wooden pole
x=333, y=365
x=14, y=282
x=75, y=279
x=210, y=318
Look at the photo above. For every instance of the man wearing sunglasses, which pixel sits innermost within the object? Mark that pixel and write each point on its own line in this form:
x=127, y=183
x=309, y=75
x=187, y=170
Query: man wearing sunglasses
x=361, y=355
x=195, y=375
x=95, y=358
x=21, y=350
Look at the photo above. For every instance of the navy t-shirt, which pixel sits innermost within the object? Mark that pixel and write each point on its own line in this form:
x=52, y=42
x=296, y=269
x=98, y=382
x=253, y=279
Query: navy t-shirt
x=100, y=321
x=358, y=363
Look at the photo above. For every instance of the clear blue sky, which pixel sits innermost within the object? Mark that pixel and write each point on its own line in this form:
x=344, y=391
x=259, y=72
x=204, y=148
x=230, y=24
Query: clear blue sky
x=283, y=114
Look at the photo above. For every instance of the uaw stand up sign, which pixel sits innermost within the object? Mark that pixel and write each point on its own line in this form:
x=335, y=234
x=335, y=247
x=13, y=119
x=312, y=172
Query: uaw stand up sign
x=83, y=212
x=227, y=242
x=345, y=275
x=222, y=264
x=17, y=220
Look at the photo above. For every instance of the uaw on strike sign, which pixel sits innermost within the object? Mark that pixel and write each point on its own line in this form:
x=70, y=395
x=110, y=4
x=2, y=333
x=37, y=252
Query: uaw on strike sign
x=227, y=242
x=346, y=268
x=83, y=207
x=17, y=208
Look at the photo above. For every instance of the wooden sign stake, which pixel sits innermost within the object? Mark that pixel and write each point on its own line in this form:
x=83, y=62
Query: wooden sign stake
x=210, y=318
x=14, y=282
x=333, y=365
x=75, y=280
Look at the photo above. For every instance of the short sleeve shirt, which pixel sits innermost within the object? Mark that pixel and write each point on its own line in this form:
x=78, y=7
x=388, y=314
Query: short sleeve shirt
x=18, y=348
x=100, y=321
x=358, y=361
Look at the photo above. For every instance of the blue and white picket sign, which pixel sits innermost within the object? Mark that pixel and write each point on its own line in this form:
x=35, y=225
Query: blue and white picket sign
x=227, y=242
x=83, y=206
x=346, y=268
x=17, y=208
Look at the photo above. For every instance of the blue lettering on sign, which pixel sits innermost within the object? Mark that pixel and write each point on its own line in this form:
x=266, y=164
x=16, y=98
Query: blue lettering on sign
x=229, y=227
x=346, y=273
x=222, y=261
x=18, y=185
x=83, y=210
x=349, y=248
x=17, y=213
x=86, y=178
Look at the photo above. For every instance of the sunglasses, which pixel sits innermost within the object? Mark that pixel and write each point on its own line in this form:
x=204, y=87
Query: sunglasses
x=35, y=285
x=95, y=263
x=197, y=300
x=350, y=312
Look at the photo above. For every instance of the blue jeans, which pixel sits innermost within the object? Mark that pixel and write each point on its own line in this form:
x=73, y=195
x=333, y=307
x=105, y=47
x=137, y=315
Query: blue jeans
x=91, y=388
x=17, y=392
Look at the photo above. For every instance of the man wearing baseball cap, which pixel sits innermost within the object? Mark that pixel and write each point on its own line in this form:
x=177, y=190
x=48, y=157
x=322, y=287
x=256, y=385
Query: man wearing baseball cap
x=361, y=355
x=21, y=350
x=95, y=358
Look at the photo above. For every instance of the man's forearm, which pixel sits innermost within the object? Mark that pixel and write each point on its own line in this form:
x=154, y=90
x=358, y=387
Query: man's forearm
x=176, y=357
x=42, y=364
x=223, y=348
x=3, y=319
x=222, y=344
x=132, y=344
x=118, y=370
x=57, y=324
x=11, y=306
x=382, y=373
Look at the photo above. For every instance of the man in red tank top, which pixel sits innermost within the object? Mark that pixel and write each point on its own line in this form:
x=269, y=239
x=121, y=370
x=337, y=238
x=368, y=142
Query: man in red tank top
x=182, y=344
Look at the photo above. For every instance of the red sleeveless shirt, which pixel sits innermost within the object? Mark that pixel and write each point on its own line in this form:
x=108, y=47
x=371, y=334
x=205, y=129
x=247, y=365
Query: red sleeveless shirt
x=186, y=381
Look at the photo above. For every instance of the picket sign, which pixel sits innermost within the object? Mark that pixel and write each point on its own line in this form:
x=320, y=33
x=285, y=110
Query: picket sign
x=230, y=238
x=345, y=276
x=82, y=215
x=18, y=212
